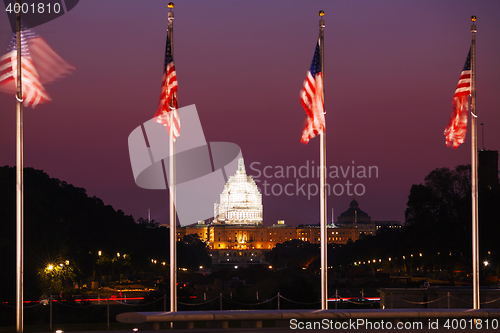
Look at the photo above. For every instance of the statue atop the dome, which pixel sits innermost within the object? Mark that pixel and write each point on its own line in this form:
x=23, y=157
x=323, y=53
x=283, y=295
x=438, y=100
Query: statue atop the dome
x=241, y=166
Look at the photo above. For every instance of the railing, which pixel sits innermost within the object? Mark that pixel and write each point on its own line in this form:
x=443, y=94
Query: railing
x=270, y=308
x=435, y=298
x=254, y=318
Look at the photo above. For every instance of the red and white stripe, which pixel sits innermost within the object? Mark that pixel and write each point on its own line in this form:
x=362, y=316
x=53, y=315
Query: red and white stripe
x=6, y=74
x=33, y=91
x=457, y=128
x=168, y=96
x=40, y=64
x=311, y=97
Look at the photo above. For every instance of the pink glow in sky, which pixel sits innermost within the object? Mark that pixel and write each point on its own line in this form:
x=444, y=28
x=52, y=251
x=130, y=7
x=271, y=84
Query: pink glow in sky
x=391, y=69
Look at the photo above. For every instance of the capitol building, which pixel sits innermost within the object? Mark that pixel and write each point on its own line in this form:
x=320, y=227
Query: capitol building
x=237, y=235
x=240, y=201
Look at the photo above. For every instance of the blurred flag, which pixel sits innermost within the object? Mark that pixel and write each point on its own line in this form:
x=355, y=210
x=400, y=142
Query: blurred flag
x=457, y=128
x=40, y=65
x=169, y=94
x=311, y=97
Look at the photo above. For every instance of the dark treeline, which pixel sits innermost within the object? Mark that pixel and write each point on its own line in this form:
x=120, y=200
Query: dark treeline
x=437, y=233
x=63, y=224
x=435, y=238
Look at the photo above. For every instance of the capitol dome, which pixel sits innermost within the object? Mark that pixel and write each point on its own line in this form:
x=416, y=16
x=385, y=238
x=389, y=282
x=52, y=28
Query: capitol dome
x=240, y=201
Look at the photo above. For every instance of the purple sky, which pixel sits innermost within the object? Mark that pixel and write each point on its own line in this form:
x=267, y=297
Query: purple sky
x=391, y=68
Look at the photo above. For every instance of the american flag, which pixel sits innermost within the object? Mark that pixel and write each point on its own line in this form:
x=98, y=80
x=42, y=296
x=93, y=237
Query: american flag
x=40, y=64
x=457, y=128
x=169, y=94
x=311, y=97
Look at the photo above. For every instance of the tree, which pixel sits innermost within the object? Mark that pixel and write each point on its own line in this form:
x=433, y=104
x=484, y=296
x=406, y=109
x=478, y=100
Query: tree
x=437, y=234
x=295, y=254
x=149, y=224
x=56, y=277
x=61, y=221
x=439, y=218
x=192, y=253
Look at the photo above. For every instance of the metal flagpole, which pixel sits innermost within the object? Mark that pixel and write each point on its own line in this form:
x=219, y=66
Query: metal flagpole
x=19, y=185
x=322, y=184
x=171, y=170
x=475, y=233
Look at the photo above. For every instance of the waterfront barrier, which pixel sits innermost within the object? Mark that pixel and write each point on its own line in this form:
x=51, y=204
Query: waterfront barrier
x=254, y=318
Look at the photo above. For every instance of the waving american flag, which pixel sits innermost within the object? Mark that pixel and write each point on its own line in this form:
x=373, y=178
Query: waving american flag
x=40, y=65
x=457, y=128
x=311, y=97
x=168, y=96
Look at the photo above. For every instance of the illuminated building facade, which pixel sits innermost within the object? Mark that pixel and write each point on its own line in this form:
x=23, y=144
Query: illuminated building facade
x=248, y=237
x=336, y=235
x=240, y=201
x=237, y=236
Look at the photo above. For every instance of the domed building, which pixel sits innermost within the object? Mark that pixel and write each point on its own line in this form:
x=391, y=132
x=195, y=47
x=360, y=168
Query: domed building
x=237, y=236
x=354, y=214
x=240, y=202
x=356, y=218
